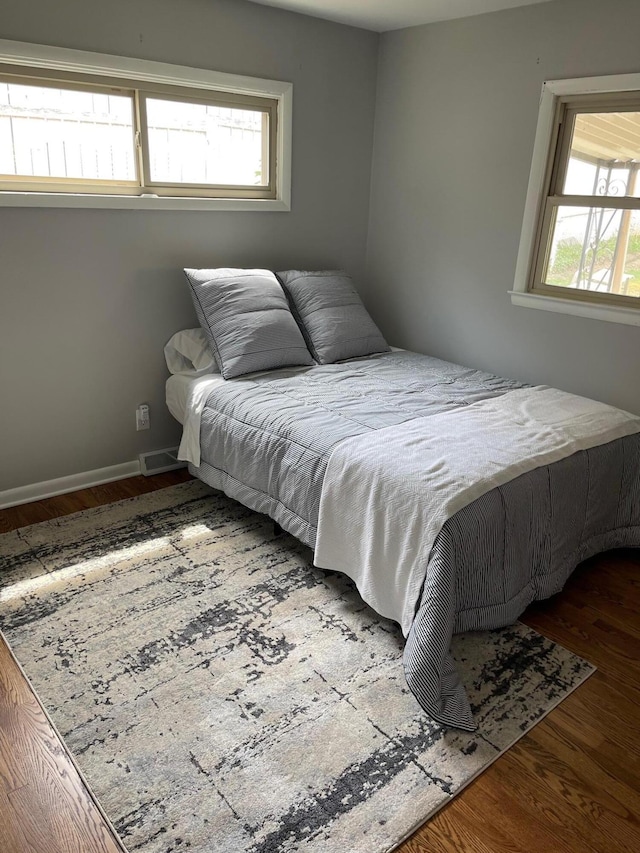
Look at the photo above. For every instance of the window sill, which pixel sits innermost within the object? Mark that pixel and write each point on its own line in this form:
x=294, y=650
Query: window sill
x=129, y=202
x=610, y=313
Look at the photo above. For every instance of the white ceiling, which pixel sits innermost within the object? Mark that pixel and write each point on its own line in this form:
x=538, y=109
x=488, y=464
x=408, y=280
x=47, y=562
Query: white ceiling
x=382, y=15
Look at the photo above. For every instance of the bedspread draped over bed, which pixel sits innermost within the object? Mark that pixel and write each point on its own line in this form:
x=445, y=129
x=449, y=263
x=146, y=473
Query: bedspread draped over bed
x=267, y=440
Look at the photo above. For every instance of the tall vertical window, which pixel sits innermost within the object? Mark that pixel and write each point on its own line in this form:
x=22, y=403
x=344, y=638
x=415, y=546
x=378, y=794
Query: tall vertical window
x=580, y=241
x=82, y=136
x=590, y=228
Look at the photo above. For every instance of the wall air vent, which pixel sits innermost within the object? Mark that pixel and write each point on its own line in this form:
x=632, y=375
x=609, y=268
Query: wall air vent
x=159, y=461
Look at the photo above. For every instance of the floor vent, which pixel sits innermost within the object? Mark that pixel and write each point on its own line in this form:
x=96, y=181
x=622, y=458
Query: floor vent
x=159, y=461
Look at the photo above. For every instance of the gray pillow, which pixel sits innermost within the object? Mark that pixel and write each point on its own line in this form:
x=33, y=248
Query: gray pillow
x=335, y=323
x=247, y=320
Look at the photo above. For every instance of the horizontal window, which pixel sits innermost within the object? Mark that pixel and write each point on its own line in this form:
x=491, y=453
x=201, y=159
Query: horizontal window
x=584, y=238
x=79, y=137
x=81, y=129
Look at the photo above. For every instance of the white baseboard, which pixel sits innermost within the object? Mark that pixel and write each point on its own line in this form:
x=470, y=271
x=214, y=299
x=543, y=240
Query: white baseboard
x=84, y=480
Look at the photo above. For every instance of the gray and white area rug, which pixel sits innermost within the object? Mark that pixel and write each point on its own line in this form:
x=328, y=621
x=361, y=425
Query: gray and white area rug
x=221, y=694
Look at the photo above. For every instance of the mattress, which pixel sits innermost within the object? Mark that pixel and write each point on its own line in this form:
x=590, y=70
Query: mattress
x=266, y=440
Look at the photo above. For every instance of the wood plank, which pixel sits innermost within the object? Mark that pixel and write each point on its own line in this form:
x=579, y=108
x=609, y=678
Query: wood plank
x=543, y=801
x=456, y=828
x=12, y=838
x=600, y=805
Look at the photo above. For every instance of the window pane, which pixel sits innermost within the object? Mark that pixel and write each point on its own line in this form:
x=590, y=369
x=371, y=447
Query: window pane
x=205, y=144
x=48, y=132
x=595, y=250
x=605, y=154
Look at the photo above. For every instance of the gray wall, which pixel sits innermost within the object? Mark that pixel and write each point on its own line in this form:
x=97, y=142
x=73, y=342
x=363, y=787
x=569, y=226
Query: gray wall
x=456, y=116
x=89, y=297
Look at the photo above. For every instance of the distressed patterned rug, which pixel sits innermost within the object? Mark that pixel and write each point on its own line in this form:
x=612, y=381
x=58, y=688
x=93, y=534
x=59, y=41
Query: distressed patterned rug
x=221, y=694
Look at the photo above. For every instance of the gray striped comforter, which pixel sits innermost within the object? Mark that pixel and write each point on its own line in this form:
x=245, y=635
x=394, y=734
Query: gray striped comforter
x=265, y=441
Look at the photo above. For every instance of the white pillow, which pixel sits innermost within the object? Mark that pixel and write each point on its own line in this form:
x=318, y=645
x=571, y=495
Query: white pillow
x=187, y=353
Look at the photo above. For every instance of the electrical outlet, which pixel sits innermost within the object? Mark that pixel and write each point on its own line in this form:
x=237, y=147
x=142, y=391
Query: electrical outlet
x=142, y=417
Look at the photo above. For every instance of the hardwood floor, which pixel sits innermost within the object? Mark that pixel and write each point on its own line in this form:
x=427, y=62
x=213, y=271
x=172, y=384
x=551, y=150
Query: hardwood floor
x=572, y=785
x=21, y=516
x=44, y=804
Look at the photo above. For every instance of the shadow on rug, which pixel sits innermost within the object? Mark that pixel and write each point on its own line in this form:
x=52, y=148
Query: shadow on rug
x=221, y=694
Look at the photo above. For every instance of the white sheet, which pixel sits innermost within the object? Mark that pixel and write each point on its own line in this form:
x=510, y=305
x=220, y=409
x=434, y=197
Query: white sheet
x=387, y=494
x=177, y=388
x=186, y=397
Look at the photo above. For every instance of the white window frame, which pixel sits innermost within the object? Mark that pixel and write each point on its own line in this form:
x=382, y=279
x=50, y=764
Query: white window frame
x=79, y=62
x=543, y=155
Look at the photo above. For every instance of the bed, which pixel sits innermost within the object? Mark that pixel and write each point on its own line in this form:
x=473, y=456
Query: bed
x=312, y=445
